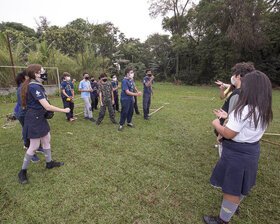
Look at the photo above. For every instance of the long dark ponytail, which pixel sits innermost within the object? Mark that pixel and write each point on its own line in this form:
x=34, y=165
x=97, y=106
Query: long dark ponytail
x=30, y=72
x=256, y=93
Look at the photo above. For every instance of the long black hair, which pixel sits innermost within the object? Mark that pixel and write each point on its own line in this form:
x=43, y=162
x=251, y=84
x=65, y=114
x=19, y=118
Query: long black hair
x=256, y=93
x=20, y=78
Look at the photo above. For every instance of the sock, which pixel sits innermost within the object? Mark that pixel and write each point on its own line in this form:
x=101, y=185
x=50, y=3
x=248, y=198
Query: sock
x=26, y=161
x=228, y=209
x=241, y=198
x=48, y=155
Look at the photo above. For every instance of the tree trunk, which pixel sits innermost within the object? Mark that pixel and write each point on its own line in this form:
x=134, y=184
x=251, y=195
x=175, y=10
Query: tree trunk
x=177, y=65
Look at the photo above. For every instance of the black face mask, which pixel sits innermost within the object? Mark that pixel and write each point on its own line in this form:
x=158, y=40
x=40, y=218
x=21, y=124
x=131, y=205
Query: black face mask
x=104, y=80
x=44, y=76
x=87, y=78
x=149, y=75
x=92, y=80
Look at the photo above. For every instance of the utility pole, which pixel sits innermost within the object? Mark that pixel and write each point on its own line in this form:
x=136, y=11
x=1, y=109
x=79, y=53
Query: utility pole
x=11, y=55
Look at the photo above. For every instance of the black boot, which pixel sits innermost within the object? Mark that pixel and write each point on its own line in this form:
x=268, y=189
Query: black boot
x=53, y=164
x=213, y=220
x=22, y=178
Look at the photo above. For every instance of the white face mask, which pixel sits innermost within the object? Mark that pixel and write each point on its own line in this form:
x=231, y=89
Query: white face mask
x=68, y=78
x=114, y=79
x=232, y=81
x=131, y=75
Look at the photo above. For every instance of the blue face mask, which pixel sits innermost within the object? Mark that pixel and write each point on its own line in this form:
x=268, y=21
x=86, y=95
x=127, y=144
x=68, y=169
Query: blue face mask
x=149, y=75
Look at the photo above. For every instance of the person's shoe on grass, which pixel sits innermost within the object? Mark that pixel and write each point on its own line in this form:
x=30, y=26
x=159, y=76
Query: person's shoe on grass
x=53, y=164
x=130, y=125
x=22, y=177
x=35, y=159
x=213, y=220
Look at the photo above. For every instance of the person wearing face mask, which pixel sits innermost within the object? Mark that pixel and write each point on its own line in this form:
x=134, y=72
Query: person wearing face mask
x=36, y=127
x=135, y=105
x=94, y=94
x=67, y=95
x=147, y=92
x=115, y=85
x=239, y=71
x=85, y=89
x=106, y=97
x=127, y=99
x=20, y=114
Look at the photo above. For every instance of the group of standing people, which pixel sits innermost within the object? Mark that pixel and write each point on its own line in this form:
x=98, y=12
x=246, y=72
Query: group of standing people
x=107, y=93
x=241, y=122
x=33, y=108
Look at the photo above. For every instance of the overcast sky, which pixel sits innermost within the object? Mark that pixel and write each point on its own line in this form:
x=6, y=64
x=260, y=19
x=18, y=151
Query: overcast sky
x=130, y=16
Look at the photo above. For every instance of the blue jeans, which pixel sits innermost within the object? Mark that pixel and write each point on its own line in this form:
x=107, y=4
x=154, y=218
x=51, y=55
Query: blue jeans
x=127, y=110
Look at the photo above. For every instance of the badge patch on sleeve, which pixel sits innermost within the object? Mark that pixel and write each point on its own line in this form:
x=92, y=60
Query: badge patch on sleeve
x=38, y=94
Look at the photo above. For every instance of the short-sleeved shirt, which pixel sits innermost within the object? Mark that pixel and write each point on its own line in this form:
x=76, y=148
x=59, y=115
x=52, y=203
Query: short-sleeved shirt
x=126, y=85
x=36, y=92
x=67, y=87
x=115, y=84
x=85, y=85
x=94, y=86
x=147, y=90
x=245, y=128
x=106, y=90
x=235, y=93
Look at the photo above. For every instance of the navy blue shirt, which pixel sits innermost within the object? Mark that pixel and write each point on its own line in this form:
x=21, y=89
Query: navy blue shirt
x=133, y=86
x=115, y=84
x=68, y=87
x=147, y=90
x=126, y=85
x=35, y=93
x=94, y=86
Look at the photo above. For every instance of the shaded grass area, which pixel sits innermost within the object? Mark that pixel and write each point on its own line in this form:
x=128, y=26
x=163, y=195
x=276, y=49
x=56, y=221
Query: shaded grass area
x=156, y=173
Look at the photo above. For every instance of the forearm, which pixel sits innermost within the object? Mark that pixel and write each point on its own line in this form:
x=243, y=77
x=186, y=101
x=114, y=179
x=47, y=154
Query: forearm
x=130, y=93
x=64, y=93
x=100, y=97
x=223, y=131
x=222, y=94
x=220, y=129
x=83, y=90
x=49, y=107
x=54, y=109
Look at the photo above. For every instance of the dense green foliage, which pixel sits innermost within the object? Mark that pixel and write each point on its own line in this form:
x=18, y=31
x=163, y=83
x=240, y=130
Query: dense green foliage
x=206, y=40
x=157, y=172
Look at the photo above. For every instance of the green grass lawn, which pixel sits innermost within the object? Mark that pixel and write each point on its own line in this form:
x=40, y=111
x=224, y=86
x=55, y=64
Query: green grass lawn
x=156, y=173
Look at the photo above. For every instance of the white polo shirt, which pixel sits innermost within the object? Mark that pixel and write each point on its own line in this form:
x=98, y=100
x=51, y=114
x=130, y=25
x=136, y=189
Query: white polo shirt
x=246, y=129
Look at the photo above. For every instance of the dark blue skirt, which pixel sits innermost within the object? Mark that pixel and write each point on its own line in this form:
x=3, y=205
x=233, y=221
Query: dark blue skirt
x=35, y=124
x=236, y=170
